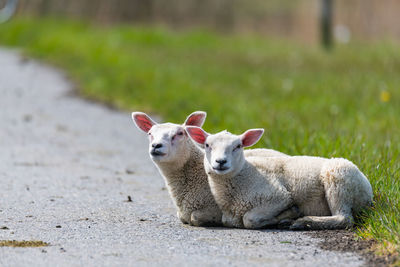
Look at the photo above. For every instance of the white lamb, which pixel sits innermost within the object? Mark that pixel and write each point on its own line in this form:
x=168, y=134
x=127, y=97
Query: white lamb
x=251, y=192
x=180, y=162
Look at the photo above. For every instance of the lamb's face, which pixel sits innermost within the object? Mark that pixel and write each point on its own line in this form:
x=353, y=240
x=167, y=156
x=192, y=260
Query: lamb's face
x=224, y=153
x=168, y=142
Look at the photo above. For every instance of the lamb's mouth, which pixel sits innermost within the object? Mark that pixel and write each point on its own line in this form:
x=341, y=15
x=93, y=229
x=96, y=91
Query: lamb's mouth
x=156, y=153
x=220, y=168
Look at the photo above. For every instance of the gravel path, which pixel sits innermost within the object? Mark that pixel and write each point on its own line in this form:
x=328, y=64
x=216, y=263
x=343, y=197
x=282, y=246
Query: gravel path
x=67, y=167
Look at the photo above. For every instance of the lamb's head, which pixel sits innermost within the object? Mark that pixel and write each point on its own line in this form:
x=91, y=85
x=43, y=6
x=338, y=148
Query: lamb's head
x=168, y=141
x=224, y=151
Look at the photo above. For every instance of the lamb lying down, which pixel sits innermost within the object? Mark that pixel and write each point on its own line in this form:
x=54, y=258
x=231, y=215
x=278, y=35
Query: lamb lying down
x=252, y=191
x=180, y=162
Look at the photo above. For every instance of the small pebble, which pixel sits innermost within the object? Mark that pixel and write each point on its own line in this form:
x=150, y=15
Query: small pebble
x=27, y=118
x=129, y=199
x=129, y=171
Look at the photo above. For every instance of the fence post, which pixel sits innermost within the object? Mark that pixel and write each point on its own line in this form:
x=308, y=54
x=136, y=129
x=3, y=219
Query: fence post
x=326, y=23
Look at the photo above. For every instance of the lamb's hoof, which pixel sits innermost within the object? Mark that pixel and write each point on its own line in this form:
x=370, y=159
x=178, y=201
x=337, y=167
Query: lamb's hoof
x=285, y=224
x=300, y=225
x=203, y=220
x=251, y=224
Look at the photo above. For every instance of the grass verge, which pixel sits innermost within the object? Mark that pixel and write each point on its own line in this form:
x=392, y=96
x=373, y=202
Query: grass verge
x=345, y=103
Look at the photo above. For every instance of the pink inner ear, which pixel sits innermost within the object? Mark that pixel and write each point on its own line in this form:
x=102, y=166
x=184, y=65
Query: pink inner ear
x=198, y=135
x=143, y=122
x=251, y=137
x=196, y=119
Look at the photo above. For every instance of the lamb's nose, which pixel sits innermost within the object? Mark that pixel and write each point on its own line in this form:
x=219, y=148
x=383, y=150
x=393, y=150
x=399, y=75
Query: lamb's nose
x=221, y=161
x=155, y=146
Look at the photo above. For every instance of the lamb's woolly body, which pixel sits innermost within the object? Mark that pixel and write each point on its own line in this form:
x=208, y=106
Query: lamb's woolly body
x=187, y=184
x=320, y=186
x=254, y=192
x=326, y=191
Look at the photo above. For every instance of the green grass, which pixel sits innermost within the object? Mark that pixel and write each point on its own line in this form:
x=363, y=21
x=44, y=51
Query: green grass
x=345, y=103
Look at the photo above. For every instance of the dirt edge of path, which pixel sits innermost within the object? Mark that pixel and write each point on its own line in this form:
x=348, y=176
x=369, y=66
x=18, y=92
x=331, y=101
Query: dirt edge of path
x=346, y=241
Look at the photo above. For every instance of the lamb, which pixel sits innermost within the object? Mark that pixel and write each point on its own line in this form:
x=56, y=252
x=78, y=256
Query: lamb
x=252, y=191
x=180, y=162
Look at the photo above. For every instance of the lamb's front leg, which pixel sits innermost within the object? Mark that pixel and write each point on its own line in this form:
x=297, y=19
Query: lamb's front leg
x=206, y=217
x=231, y=221
x=267, y=214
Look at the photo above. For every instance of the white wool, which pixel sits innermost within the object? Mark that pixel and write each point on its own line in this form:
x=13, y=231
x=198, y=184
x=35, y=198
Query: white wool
x=183, y=171
x=253, y=191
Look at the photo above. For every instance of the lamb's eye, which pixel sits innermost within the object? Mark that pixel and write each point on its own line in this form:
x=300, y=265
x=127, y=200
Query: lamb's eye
x=207, y=145
x=180, y=133
x=237, y=147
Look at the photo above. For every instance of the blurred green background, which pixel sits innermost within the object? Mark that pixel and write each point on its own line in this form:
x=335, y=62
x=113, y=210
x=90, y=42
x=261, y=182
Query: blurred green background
x=248, y=64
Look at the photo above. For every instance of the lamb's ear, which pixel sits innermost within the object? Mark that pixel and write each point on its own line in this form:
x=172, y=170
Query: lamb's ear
x=143, y=121
x=250, y=137
x=197, y=118
x=197, y=134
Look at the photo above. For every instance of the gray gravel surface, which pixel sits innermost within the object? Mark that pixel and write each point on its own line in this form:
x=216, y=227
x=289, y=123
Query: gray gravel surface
x=67, y=167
